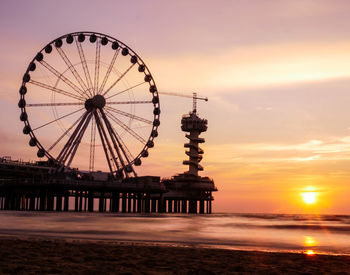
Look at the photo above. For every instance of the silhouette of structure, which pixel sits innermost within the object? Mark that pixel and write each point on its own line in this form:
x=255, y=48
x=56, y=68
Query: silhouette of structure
x=37, y=186
x=40, y=186
x=76, y=76
x=188, y=189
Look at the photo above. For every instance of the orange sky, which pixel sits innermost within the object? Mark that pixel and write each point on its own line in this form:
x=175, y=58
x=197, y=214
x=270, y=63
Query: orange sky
x=277, y=76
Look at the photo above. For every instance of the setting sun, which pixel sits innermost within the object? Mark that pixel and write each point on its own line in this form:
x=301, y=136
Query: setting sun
x=310, y=252
x=309, y=195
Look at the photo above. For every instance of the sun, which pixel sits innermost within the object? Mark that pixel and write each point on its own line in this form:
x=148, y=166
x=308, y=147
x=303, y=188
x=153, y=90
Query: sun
x=310, y=252
x=309, y=195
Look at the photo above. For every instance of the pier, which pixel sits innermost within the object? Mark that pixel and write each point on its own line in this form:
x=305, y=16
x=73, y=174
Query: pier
x=28, y=186
x=95, y=134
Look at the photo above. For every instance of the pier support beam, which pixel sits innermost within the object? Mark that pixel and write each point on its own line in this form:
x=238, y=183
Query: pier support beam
x=80, y=201
x=43, y=198
x=134, y=203
x=66, y=201
x=50, y=201
x=76, y=201
x=91, y=201
x=101, y=204
x=193, y=206
x=154, y=205
x=31, y=202
x=184, y=206
x=201, y=207
x=115, y=202
x=139, y=203
x=129, y=202
x=175, y=206
x=147, y=204
x=124, y=198
x=161, y=204
x=59, y=201
x=170, y=206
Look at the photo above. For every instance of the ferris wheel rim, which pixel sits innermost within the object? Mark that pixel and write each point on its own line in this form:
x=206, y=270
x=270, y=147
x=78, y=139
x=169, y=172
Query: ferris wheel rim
x=156, y=105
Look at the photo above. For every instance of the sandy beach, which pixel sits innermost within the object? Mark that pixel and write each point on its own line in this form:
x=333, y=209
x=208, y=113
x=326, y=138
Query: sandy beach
x=33, y=256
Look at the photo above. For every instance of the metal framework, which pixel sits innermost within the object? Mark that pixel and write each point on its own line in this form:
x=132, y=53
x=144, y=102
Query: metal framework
x=90, y=97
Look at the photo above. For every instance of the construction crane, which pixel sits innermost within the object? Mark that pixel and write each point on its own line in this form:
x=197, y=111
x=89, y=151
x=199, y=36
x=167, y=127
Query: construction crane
x=193, y=96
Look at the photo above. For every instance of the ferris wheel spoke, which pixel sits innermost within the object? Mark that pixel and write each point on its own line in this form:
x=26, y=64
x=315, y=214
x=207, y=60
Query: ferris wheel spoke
x=121, y=144
x=54, y=89
x=65, y=133
x=110, y=67
x=103, y=142
x=120, y=77
x=63, y=155
x=72, y=69
x=52, y=121
x=97, y=65
x=54, y=104
x=123, y=91
x=130, y=115
x=85, y=67
x=129, y=102
x=109, y=147
x=64, y=79
x=126, y=128
x=92, y=146
x=125, y=150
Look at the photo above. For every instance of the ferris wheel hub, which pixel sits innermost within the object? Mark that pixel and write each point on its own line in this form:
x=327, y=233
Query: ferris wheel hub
x=98, y=102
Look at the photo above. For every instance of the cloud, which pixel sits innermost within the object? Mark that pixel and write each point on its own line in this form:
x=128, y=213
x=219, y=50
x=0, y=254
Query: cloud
x=253, y=66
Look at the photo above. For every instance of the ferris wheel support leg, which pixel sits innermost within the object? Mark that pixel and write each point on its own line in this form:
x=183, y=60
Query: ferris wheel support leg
x=109, y=147
x=64, y=134
x=92, y=146
x=124, y=198
x=129, y=202
x=115, y=142
x=103, y=142
x=66, y=148
x=112, y=135
x=78, y=140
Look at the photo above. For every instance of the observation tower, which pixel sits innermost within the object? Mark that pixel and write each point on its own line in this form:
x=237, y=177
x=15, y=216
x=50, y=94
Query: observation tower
x=189, y=190
x=195, y=126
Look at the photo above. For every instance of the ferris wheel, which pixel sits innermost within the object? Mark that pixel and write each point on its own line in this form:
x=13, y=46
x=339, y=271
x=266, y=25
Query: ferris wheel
x=88, y=101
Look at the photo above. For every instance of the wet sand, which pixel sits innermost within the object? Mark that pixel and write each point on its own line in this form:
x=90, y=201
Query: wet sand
x=35, y=256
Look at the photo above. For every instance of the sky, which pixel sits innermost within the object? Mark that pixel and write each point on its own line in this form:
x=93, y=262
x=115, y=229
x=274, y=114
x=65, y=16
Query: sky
x=276, y=73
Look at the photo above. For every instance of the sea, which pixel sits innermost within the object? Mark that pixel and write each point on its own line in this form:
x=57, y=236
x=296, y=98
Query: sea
x=311, y=234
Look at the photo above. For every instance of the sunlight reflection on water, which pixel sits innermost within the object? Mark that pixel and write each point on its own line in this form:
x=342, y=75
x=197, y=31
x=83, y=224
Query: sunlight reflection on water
x=300, y=233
